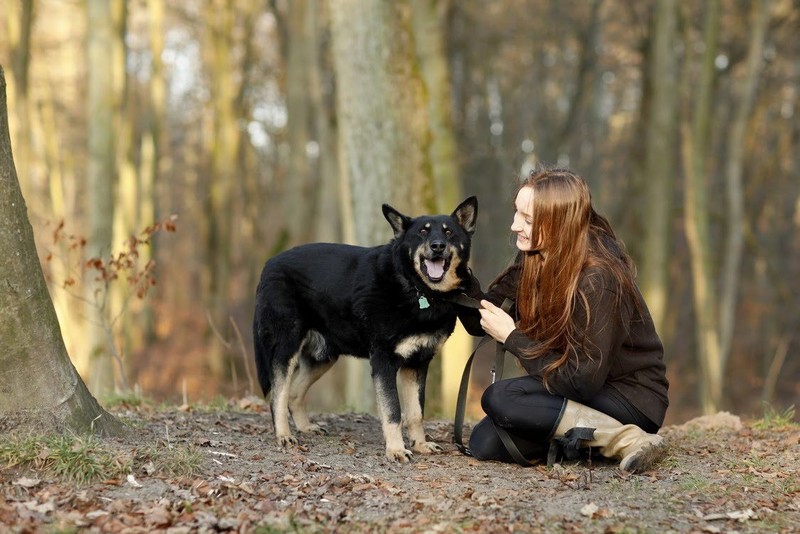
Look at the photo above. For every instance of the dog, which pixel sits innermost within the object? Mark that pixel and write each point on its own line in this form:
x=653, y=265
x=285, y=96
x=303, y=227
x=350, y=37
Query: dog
x=387, y=303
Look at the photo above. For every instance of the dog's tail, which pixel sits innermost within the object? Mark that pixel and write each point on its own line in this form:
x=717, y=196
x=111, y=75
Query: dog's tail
x=262, y=360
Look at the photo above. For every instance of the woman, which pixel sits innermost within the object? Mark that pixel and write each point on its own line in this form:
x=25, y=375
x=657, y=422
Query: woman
x=581, y=330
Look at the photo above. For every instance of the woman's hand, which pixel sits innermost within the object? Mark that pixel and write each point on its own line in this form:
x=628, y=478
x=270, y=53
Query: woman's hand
x=495, y=321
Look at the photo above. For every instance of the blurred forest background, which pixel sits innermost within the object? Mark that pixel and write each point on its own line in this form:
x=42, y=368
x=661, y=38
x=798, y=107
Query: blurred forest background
x=182, y=143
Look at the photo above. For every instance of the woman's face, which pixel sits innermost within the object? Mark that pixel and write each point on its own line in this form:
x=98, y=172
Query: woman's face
x=521, y=225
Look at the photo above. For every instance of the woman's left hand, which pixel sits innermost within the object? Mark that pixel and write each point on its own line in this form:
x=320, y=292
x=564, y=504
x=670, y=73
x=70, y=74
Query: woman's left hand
x=495, y=321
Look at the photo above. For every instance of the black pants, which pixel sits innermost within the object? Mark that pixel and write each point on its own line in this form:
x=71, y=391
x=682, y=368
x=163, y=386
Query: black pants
x=530, y=414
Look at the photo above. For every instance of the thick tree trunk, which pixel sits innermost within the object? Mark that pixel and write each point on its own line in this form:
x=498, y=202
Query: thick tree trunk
x=429, y=18
x=383, y=129
x=39, y=387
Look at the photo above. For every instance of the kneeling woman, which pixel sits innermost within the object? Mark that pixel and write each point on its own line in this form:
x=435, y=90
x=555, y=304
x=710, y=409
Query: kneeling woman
x=581, y=330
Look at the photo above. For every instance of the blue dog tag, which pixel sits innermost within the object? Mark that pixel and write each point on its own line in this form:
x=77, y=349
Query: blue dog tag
x=423, y=303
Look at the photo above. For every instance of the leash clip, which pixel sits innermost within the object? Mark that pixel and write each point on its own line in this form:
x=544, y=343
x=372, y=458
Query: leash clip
x=494, y=375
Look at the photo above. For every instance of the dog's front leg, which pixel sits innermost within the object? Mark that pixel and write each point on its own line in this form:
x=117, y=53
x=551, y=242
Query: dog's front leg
x=384, y=377
x=412, y=394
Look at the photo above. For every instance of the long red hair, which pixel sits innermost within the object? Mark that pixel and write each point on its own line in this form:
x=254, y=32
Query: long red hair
x=568, y=236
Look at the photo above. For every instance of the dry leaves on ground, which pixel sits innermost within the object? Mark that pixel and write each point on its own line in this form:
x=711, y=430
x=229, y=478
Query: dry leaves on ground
x=192, y=470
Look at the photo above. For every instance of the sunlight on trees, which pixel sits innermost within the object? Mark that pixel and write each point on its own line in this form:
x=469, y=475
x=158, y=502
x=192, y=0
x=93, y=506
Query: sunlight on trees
x=283, y=122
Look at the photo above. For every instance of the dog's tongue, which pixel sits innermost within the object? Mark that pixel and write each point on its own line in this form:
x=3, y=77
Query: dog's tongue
x=435, y=268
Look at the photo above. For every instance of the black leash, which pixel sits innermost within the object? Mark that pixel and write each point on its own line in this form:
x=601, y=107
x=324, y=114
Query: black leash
x=497, y=374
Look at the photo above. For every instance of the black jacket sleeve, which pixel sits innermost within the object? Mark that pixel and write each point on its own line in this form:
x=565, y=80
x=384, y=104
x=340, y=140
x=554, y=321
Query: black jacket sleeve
x=505, y=287
x=586, y=371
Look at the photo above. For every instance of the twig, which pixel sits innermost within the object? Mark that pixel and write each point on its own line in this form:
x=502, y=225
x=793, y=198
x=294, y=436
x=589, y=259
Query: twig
x=245, y=359
x=775, y=368
x=213, y=326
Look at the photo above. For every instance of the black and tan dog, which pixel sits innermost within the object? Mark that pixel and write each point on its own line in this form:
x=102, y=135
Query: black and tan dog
x=388, y=303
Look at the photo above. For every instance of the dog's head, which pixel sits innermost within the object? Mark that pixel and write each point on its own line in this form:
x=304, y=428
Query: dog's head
x=437, y=246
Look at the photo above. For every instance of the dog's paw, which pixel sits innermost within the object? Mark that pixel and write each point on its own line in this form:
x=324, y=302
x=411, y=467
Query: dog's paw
x=287, y=441
x=399, y=455
x=427, y=447
x=314, y=429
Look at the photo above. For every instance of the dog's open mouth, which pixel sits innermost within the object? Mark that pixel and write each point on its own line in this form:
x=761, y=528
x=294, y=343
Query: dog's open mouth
x=435, y=268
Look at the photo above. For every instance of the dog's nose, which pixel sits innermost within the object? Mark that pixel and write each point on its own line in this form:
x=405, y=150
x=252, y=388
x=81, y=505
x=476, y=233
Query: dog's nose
x=438, y=246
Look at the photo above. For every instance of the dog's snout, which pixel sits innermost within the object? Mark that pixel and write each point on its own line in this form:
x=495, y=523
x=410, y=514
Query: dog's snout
x=438, y=246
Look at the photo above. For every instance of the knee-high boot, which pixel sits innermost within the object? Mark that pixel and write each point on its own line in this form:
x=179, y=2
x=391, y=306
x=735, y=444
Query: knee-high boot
x=636, y=449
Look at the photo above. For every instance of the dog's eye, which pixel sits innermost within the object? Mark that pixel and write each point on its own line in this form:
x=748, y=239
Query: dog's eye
x=423, y=231
x=448, y=233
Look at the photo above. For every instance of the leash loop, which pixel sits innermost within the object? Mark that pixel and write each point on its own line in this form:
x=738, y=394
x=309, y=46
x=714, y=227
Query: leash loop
x=496, y=373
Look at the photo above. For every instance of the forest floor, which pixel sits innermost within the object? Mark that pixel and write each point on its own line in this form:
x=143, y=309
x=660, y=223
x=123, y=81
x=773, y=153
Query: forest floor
x=212, y=469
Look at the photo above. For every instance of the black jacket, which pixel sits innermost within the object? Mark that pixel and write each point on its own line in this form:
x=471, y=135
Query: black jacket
x=623, y=348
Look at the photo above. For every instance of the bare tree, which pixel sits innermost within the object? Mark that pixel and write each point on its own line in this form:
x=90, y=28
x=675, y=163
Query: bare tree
x=660, y=155
x=696, y=139
x=39, y=387
x=734, y=165
x=715, y=314
x=222, y=147
x=101, y=179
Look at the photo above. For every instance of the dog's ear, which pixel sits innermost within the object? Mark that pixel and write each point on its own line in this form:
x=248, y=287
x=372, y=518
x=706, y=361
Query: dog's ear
x=467, y=214
x=398, y=221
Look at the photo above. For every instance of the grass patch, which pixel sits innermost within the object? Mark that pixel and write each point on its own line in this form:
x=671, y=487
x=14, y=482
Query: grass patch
x=773, y=419
x=123, y=401
x=695, y=483
x=170, y=460
x=70, y=458
x=217, y=404
x=82, y=460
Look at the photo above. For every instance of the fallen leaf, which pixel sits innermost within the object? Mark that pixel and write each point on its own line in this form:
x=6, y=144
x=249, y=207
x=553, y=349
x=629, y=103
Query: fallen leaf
x=589, y=510
x=27, y=482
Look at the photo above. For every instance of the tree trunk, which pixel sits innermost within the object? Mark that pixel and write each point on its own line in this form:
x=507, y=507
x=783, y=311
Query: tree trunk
x=384, y=131
x=223, y=147
x=696, y=152
x=100, y=197
x=660, y=151
x=429, y=17
x=19, y=23
x=38, y=384
x=383, y=128
x=123, y=330
x=732, y=257
x=299, y=201
x=328, y=200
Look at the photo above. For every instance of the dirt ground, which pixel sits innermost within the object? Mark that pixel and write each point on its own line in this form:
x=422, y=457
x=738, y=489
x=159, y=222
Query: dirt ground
x=720, y=476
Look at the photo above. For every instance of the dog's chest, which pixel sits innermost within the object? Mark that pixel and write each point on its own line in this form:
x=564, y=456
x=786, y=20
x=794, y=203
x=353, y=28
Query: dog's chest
x=417, y=344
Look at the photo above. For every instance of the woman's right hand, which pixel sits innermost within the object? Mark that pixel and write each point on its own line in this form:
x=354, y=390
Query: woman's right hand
x=496, y=322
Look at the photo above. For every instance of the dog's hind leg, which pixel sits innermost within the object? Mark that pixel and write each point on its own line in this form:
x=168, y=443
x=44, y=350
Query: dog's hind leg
x=279, y=402
x=308, y=371
x=411, y=382
x=316, y=357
